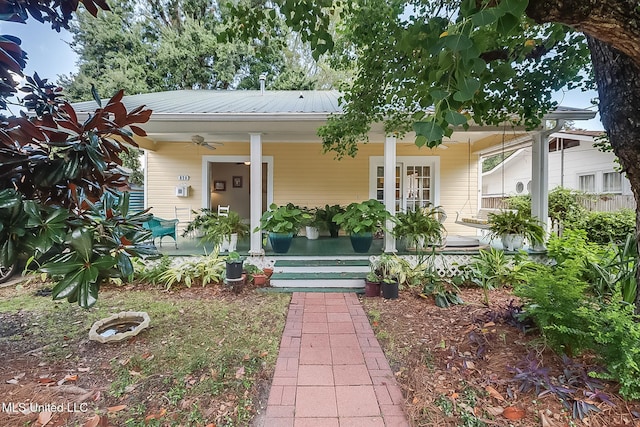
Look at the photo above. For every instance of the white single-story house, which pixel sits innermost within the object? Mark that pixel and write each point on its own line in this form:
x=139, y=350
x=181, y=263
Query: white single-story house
x=574, y=163
x=248, y=149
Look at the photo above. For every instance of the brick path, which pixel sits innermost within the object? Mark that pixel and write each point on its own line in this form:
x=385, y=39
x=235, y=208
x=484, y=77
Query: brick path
x=331, y=370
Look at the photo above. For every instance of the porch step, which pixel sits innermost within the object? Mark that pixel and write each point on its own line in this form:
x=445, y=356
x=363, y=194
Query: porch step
x=319, y=273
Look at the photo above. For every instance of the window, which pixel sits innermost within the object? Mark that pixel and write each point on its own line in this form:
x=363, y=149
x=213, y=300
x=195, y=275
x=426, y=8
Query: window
x=611, y=182
x=519, y=187
x=587, y=183
x=561, y=143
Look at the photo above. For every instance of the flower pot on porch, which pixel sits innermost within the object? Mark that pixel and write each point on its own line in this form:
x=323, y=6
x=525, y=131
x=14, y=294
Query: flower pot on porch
x=390, y=289
x=361, y=242
x=512, y=242
x=259, y=279
x=371, y=289
x=312, y=232
x=280, y=242
x=334, y=229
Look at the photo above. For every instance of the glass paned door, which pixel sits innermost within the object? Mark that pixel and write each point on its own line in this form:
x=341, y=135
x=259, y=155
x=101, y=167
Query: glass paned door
x=413, y=186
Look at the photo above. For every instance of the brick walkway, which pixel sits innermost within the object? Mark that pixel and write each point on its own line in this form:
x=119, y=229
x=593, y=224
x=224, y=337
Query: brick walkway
x=331, y=370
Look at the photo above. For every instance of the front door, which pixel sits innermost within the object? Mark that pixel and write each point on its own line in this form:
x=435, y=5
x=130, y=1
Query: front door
x=415, y=181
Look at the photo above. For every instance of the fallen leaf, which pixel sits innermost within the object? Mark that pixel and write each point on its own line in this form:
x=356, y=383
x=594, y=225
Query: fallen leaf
x=495, y=410
x=545, y=421
x=116, y=408
x=71, y=378
x=246, y=357
x=240, y=372
x=264, y=354
x=147, y=356
x=44, y=417
x=488, y=324
x=124, y=362
x=20, y=376
x=12, y=381
x=46, y=380
x=84, y=369
x=92, y=422
x=454, y=395
x=210, y=425
x=494, y=393
x=513, y=413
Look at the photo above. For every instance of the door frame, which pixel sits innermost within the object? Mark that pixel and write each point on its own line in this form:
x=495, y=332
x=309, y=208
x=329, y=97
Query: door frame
x=206, y=173
x=431, y=161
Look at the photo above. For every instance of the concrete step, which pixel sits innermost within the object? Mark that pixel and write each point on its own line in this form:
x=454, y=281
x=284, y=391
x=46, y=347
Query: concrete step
x=320, y=273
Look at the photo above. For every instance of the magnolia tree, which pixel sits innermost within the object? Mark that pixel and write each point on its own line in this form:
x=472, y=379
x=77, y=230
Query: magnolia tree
x=433, y=65
x=60, y=184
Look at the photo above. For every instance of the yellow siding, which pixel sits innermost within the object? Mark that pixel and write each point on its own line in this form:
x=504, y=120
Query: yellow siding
x=305, y=176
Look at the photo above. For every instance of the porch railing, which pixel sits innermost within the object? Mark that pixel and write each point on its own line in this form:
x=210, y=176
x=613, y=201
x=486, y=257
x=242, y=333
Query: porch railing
x=595, y=202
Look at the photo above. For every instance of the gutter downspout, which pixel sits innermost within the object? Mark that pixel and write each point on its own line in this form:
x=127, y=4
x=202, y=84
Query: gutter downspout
x=262, y=78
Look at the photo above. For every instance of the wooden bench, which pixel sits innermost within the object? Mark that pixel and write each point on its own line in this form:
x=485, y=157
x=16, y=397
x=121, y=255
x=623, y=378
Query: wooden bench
x=162, y=227
x=480, y=220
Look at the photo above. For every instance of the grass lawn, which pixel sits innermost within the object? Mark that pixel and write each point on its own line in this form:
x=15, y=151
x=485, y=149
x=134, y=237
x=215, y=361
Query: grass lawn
x=206, y=359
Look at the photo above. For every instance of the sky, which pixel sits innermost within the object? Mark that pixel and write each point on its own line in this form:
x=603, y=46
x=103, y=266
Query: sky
x=50, y=55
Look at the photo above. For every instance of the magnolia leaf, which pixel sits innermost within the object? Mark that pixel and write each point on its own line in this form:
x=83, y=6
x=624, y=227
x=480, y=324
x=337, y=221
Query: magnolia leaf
x=82, y=242
x=514, y=7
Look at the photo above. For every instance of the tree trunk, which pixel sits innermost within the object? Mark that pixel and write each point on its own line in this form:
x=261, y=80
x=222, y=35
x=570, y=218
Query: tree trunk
x=618, y=79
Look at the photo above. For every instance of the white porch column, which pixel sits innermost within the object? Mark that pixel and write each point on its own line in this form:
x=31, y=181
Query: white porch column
x=255, y=171
x=540, y=178
x=390, y=189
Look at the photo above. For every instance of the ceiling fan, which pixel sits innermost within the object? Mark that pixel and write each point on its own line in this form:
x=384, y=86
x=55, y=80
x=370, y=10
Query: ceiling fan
x=199, y=140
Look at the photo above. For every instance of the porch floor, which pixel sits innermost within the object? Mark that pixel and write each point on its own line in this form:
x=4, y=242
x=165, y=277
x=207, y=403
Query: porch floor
x=301, y=246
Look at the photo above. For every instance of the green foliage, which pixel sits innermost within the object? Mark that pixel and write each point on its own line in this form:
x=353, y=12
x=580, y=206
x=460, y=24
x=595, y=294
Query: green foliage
x=565, y=206
x=516, y=222
x=420, y=223
x=614, y=274
x=283, y=219
x=214, y=227
x=573, y=245
x=325, y=215
x=364, y=217
x=196, y=270
x=616, y=333
x=557, y=300
x=131, y=160
x=607, y=227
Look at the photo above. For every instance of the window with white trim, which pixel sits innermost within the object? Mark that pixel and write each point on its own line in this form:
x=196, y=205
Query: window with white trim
x=587, y=183
x=611, y=182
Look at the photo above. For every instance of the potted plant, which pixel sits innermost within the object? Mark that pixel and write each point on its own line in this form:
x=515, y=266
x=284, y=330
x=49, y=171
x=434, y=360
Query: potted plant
x=361, y=220
x=513, y=227
x=420, y=227
x=372, y=285
x=391, y=270
x=282, y=222
x=255, y=274
x=234, y=264
x=221, y=230
x=314, y=224
x=325, y=216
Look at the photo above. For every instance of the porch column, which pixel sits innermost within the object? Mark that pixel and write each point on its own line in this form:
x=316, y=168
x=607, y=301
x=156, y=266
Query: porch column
x=540, y=178
x=390, y=189
x=255, y=171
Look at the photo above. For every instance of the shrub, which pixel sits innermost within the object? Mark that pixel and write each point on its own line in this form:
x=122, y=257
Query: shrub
x=616, y=333
x=607, y=227
x=556, y=299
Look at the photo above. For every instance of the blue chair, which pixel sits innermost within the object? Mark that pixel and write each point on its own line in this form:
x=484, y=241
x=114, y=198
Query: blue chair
x=162, y=227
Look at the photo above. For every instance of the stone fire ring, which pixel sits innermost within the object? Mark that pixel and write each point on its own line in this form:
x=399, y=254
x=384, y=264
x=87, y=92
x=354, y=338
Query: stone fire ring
x=140, y=317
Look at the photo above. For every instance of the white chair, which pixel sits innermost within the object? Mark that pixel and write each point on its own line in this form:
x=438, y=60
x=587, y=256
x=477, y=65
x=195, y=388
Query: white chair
x=183, y=215
x=223, y=210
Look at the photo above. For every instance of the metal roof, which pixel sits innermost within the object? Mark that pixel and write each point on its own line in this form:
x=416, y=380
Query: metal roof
x=230, y=102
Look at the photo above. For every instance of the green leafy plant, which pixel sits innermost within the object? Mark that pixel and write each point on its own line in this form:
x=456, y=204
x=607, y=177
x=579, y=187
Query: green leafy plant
x=391, y=268
x=215, y=228
x=489, y=269
x=515, y=222
x=325, y=215
x=420, y=224
x=283, y=219
x=606, y=227
x=615, y=273
x=557, y=300
x=198, y=270
x=364, y=217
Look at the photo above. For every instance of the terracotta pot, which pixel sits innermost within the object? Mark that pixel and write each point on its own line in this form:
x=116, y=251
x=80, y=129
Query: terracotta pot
x=268, y=271
x=259, y=279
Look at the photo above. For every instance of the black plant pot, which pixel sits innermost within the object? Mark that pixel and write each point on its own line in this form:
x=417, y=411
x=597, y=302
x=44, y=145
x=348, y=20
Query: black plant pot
x=333, y=229
x=234, y=269
x=390, y=290
x=361, y=242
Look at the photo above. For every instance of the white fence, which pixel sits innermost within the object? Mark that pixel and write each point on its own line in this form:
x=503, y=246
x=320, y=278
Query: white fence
x=595, y=202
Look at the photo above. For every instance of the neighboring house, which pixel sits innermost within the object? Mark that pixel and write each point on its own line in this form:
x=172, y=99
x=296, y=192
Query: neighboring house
x=248, y=149
x=574, y=163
